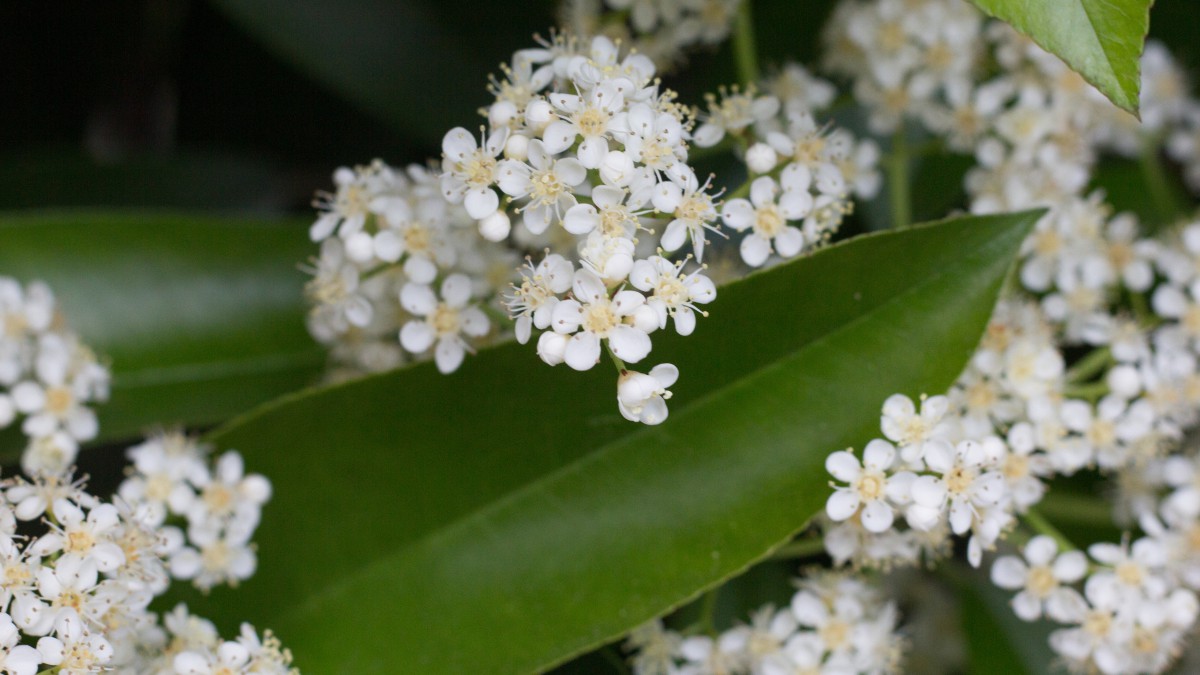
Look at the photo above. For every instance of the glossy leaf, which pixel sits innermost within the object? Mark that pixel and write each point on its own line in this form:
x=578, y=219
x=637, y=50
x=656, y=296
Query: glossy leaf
x=505, y=518
x=1101, y=40
x=183, y=180
x=199, y=318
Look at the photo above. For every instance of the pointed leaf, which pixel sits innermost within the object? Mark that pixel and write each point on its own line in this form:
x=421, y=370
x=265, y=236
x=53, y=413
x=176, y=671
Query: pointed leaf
x=1101, y=40
x=505, y=518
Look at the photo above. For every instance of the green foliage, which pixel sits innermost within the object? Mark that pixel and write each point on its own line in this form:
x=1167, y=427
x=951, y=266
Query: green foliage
x=1100, y=39
x=505, y=518
x=200, y=317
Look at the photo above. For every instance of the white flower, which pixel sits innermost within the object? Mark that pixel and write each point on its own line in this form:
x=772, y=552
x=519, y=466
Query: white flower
x=610, y=258
x=87, y=538
x=693, y=213
x=607, y=214
x=548, y=183
x=643, y=397
x=911, y=431
x=220, y=556
x=1133, y=571
x=334, y=288
x=868, y=487
x=591, y=316
x=675, y=295
x=229, y=495
x=1042, y=580
x=705, y=656
x=963, y=483
x=767, y=220
x=590, y=115
x=444, y=322
x=348, y=208
x=15, y=658
x=532, y=303
x=655, y=139
x=231, y=658
x=470, y=170
x=75, y=650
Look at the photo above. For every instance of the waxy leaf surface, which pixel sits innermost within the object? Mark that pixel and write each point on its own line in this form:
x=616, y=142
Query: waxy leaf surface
x=505, y=518
x=199, y=318
x=1101, y=40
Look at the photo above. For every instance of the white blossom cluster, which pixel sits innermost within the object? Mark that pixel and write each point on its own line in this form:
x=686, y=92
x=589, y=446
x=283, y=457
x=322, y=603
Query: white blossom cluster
x=1134, y=611
x=171, y=477
x=398, y=259
x=663, y=30
x=78, y=572
x=910, y=59
x=76, y=596
x=802, y=172
x=836, y=623
x=584, y=160
x=974, y=461
x=1018, y=415
x=47, y=377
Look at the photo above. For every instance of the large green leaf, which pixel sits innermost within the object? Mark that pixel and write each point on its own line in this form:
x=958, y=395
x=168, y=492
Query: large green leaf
x=1099, y=39
x=505, y=518
x=200, y=318
x=184, y=180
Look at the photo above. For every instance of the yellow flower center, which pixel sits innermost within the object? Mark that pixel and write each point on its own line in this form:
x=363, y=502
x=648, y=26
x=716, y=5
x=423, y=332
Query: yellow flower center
x=444, y=320
x=599, y=318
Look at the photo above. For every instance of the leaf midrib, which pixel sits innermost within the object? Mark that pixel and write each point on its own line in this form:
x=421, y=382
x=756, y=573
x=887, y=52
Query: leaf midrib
x=478, y=514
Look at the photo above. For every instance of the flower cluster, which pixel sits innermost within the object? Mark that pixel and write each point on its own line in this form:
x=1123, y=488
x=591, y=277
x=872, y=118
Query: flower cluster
x=47, y=376
x=584, y=162
x=835, y=624
x=77, y=595
x=1018, y=415
x=663, y=30
x=78, y=572
x=1133, y=614
x=1092, y=363
x=388, y=240
x=220, y=504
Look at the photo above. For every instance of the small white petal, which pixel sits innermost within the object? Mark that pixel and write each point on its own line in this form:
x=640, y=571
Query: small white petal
x=841, y=505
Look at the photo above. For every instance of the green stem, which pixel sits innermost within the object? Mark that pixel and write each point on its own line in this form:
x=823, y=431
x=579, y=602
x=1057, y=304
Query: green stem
x=1039, y=524
x=1076, y=509
x=617, y=362
x=708, y=612
x=1092, y=392
x=801, y=548
x=1089, y=366
x=745, y=48
x=1156, y=183
x=1145, y=316
x=897, y=170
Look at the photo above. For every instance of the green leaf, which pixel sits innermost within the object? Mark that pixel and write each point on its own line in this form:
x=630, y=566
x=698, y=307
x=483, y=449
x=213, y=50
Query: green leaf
x=184, y=180
x=1101, y=40
x=401, y=61
x=505, y=518
x=200, y=318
